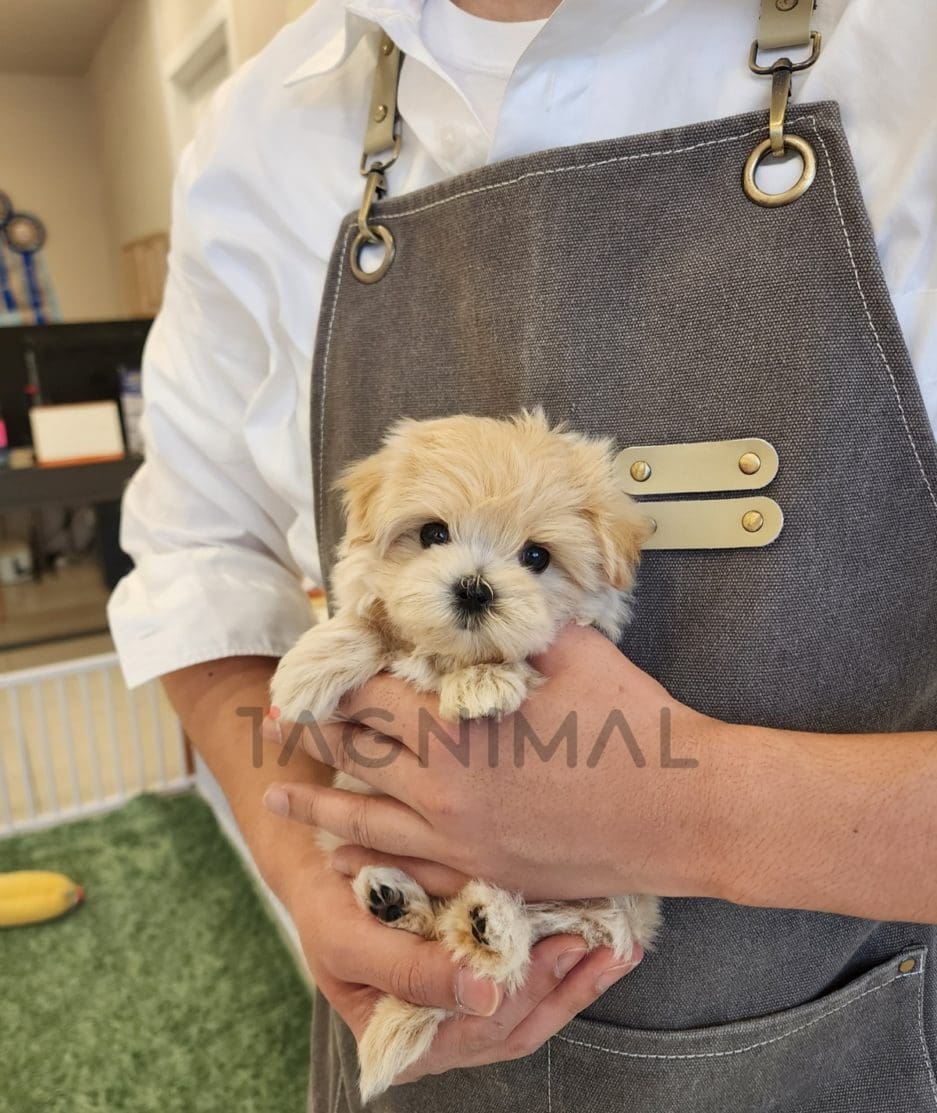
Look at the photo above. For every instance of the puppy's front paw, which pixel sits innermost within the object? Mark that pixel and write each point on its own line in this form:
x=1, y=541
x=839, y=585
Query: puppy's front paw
x=481, y=690
x=327, y=661
x=395, y=899
x=488, y=929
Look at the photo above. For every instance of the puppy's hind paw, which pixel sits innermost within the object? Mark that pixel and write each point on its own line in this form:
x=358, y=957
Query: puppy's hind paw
x=395, y=899
x=488, y=929
x=397, y=1035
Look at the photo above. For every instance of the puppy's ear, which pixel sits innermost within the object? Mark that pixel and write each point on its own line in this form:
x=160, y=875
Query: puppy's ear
x=360, y=485
x=620, y=531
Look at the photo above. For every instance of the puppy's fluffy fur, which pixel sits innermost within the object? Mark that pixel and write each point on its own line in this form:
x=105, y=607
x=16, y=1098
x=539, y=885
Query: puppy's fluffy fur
x=441, y=580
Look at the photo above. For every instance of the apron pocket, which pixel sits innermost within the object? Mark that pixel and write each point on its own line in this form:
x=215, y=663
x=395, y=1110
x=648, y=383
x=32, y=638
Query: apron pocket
x=861, y=1049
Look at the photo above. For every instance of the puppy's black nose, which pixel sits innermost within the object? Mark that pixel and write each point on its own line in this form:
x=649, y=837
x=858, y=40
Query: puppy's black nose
x=473, y=595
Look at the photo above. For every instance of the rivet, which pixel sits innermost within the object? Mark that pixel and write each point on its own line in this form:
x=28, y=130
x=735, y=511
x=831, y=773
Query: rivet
x=907, y=966
x=380, y=113
x=640, y=471
x=387, y=46
x=652, y=525
x=749, y=463
x=785, y=5
x=752, y=521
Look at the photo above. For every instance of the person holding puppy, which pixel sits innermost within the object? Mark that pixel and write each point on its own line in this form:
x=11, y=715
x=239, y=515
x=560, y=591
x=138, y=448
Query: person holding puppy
x=565, y=224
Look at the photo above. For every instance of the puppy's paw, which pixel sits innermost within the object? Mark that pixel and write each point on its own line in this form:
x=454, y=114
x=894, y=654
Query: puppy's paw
x=302, y=689
x=397, y=1034
x=328, y=660
x=395, y=899
x=488, y=929
x=614, y=922
x=643, y=916
x=482, y=690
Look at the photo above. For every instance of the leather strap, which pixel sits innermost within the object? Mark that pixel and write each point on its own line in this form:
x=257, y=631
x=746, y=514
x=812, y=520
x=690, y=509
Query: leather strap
x=782, y=25
x=745, y=523
x=382, y=113
x=746, y=464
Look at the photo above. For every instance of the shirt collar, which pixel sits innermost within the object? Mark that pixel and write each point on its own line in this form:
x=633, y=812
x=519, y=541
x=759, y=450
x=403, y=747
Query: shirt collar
x=575, y=25
x=361, y=16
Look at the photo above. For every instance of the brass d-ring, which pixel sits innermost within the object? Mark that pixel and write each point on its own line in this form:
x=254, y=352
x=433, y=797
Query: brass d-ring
x=382, y=233
x=798, y=189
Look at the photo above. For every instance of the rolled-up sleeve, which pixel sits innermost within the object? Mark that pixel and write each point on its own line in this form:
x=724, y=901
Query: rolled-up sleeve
x=213, y=576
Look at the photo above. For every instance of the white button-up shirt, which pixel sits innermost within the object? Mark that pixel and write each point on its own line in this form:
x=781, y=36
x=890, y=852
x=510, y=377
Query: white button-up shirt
x=219, y=520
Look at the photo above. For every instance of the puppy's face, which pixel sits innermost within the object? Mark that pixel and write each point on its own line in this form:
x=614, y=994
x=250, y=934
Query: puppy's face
x=476, y=539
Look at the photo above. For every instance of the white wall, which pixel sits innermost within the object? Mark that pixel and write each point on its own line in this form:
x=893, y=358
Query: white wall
x=92, y=156
x=253, y=22
x=126, y=91
x=50, y=167
x=295, y=8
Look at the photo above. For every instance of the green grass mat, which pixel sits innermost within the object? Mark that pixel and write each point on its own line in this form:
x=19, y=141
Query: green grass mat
x=169, y=989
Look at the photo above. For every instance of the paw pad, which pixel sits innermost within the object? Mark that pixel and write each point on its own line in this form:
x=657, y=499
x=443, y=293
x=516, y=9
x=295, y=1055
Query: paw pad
x=386, y=903
x=479, y=926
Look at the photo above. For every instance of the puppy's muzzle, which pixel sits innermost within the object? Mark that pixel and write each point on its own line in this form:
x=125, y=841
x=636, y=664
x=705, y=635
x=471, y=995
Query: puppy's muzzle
x=473, y=597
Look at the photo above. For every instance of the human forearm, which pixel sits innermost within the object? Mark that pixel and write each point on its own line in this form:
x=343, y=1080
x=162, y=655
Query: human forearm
x=836, y=823
x=354, y=958
x=207, y=698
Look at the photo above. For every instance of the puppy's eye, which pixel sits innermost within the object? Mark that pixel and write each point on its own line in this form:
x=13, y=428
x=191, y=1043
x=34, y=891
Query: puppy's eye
x=534, y=556
x=434, y=533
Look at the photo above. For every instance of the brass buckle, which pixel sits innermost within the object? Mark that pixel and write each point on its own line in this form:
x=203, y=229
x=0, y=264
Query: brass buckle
x=382, y=144
x=375, y=187
x=364, y=169
x=800, y=187
x=376, y=233
x=778, y=142
x=815, y=43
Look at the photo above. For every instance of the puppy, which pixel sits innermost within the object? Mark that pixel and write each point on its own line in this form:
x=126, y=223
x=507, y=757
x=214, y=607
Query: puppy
x=470, y=542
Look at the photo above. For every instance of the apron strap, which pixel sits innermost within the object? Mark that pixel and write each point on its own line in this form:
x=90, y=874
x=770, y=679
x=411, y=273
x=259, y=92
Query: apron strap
x=782, y=24
x=383, y=131
x=381, y=148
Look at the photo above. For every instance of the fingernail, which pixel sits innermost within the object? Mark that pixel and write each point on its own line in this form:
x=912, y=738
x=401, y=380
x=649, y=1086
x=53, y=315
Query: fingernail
x=276, y=801
x=270, y=730
x=567, y=960
x=611, y=975
x=478, y=996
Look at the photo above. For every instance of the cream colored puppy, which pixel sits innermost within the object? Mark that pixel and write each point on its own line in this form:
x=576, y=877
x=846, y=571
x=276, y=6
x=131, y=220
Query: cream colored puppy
x=470, y=542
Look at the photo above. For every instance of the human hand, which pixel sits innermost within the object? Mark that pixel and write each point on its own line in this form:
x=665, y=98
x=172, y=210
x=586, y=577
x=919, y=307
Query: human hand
x=596, y=786
x=354, y=959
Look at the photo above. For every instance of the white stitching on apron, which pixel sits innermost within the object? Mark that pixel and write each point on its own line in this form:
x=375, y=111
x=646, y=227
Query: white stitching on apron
x=583, y=166
x=868, y=316
x=923, y=1039
x=469, y=193
x=629, y=158
x=749, y=1047
x=325, y=379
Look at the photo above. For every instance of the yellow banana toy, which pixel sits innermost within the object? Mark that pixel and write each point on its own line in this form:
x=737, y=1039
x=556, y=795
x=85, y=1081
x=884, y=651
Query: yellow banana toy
x=31, y=896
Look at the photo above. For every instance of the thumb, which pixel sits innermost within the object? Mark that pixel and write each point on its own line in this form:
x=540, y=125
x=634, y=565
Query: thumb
x=423, y=972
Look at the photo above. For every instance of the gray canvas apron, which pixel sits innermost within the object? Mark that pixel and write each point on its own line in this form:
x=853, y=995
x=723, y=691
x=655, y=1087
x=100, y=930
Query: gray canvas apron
x=631, y=288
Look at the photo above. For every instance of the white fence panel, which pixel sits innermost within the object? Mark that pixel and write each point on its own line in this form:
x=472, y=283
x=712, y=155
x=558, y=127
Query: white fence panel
x=74, y=741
